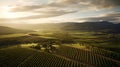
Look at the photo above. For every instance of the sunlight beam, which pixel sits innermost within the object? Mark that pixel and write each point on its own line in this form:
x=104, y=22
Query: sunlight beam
x=6, y=12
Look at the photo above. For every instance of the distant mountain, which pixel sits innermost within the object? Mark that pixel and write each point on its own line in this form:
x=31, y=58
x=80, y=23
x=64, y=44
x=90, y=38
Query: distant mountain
x=103, y=26
x=8, y=30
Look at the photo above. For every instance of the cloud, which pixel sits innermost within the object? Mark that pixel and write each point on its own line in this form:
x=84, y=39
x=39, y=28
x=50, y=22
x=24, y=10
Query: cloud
x=41, y=11
x=55, y=8
x=47, y=14
x=25, y=8
x=117, y=14
x=66, y=5
x=106, y=3
x=97, y=3
x=85, y=3
x=113, y=17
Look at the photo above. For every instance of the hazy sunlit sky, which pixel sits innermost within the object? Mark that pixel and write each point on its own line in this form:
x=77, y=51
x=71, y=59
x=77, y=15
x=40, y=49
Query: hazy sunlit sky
x=48, y=11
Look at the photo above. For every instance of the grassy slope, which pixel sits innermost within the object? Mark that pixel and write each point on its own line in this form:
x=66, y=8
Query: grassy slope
x=8, y=30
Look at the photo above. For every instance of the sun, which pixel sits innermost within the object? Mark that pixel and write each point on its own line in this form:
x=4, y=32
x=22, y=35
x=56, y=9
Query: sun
x=6, y=11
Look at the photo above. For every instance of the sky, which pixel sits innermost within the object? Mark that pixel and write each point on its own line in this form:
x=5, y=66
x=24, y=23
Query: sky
x=57, y=11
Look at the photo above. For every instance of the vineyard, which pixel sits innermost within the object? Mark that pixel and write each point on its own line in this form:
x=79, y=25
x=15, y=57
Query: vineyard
x=96, y=57
x=65, y=56
x=22, y=57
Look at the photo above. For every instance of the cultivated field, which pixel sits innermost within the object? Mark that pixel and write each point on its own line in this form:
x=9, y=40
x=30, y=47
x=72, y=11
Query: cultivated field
x=61, y=49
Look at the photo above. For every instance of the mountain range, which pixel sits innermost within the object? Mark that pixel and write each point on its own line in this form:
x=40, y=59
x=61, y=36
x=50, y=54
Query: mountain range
x=103, y=26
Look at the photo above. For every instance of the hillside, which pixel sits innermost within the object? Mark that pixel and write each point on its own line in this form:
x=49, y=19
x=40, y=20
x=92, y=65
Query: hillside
x=103, y=26
x=93, y=26
x=8, y=30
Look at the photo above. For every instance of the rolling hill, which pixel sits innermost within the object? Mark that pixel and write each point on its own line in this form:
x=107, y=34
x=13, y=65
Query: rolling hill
x=8, y=30
x=103, y=26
